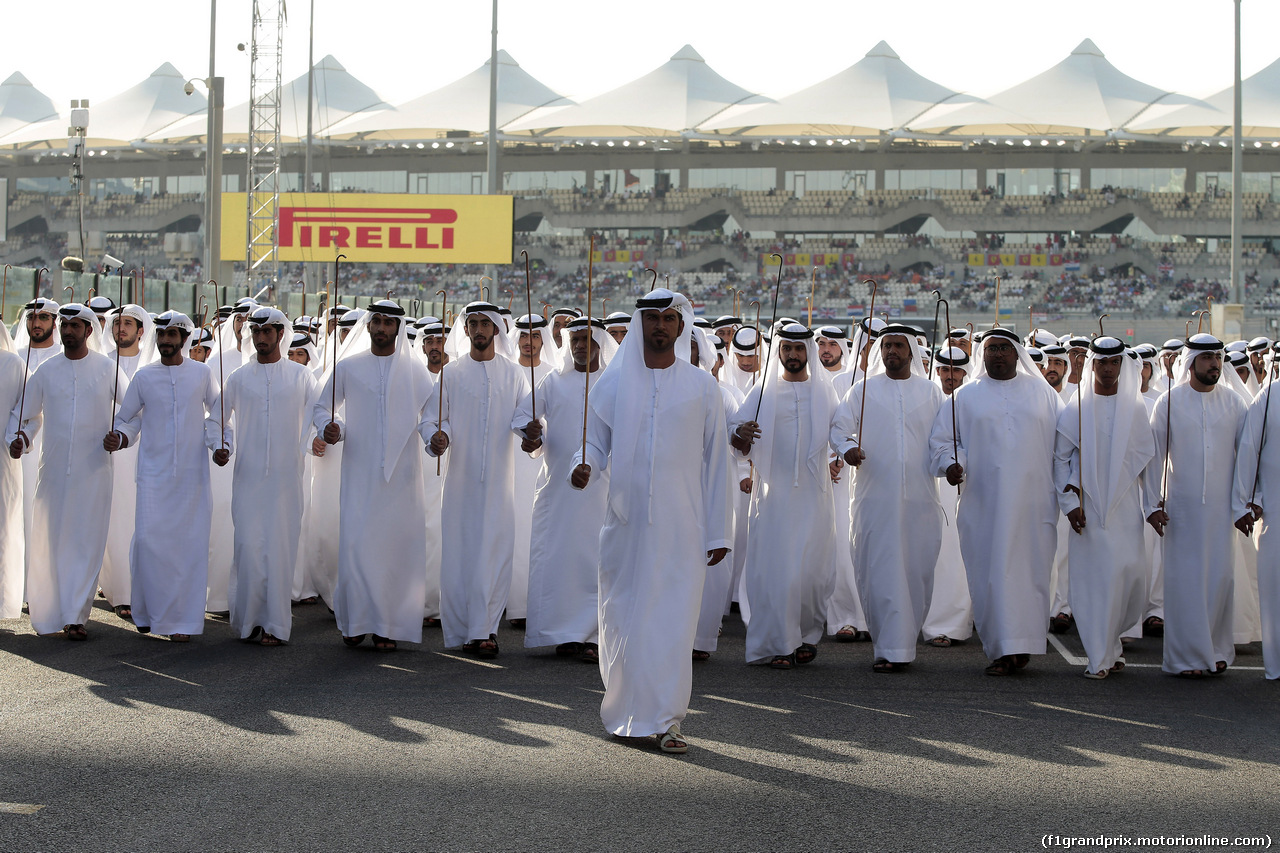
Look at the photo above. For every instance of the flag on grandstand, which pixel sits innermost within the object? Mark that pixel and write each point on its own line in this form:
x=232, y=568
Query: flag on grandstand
x=1072, y=266
x=909, y=305
x=895, y=312
x=827, y=313
x=699, y=308
x=854, y=311
x=1165, y=268
x=629, y=179
x=1005, y=312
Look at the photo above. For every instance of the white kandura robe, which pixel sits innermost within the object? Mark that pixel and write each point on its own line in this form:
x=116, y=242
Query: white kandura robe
x=659, y=525
x=950, y=612
x=896, y=530
x=1060, y=577
x=116, y=578
x=382, y=538
x=272, y=405
x=564, y=551
x=1108, y=560
x=31, y=461
x=525, y=472
x=1008, y=511
x=433, y=491
x=718, y=590
x=12, y=539
x=790, y=569
x=1260, y=484
x=480, y=399
x=1199, y=540
x=170, y=550
x=221, y=538
x=69, y=403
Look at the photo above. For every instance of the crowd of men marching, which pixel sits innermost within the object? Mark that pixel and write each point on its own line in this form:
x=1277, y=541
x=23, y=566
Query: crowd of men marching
x=616, y=486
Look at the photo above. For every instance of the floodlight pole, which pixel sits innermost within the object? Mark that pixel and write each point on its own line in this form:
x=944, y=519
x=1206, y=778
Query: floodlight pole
x=213, y=158
x=1237, y=179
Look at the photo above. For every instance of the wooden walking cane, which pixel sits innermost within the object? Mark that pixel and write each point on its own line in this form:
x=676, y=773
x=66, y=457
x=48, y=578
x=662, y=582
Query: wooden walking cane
x=22, y=400
x=863, y=407
x=586, y=385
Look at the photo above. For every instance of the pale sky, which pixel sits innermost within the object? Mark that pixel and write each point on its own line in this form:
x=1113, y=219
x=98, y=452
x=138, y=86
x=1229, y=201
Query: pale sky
x=404, y=48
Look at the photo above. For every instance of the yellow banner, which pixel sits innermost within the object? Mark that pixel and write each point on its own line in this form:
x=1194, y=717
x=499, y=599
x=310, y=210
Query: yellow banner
x=381, y=228
x=623, y=256
x=770, y=261
x=976, y=260
x=1008, y=260
x=802, y=260
x=1039, y=260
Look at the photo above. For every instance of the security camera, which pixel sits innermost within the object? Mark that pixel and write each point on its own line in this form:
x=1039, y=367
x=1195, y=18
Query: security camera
x=108, y=261
x=188, y=88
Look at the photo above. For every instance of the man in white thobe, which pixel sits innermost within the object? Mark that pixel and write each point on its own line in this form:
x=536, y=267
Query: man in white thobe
x=564, y=554
x=1007, y=422
x=1106, y=550
x=70, y=398
x=1257, y=488
x=132, y=344
x=382, y=538
x=538, y=356
x=271, y=400
x=481, y=389
x=433, y=336
x=167, y=402
x=1197, y=425
x=37, y=342
x=896, y=532
x=790, y=570
x=950, y=615
x=12, y=540
x=658, y=422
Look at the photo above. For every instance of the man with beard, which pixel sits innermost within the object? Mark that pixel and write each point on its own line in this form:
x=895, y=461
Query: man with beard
x=1258, y=358
x=564, y=555
x=12, y=540
x=382, y=541
x=270, y=399
x=790, y=565
x=36, y=344
x=536, y=356
x=480, y=391
x=168, y=401
x=134, y=344
x=950, y=615
x=433, y=336
x=1197, y=423
x=69, y=397
x=658, y=423
x=1055, y=365
x=832, y=348
x=1097, y=474
x=1005, y=426
x=895, y=542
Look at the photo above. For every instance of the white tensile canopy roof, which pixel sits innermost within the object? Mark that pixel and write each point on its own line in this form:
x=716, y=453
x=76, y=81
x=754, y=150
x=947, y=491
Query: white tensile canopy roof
x=134, y=114
x=461, y=105
x=23, y=105
x=1082, y=94
x=678, y=96
x=338, y=95
x=878, y=93
x=1259, y=111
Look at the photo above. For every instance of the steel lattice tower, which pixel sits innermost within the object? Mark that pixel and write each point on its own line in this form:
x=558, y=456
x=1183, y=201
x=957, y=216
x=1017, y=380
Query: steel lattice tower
x=263, y=180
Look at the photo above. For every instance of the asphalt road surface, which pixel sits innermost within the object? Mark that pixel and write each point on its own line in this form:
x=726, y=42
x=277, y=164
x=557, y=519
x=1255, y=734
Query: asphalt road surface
x=128, y=742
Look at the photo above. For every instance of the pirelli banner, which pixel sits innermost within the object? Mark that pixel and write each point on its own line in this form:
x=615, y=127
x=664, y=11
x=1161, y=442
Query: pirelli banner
x=381, y=228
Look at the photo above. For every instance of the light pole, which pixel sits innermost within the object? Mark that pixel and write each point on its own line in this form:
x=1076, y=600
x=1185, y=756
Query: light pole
x=213, y=173
x=1237, y=180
